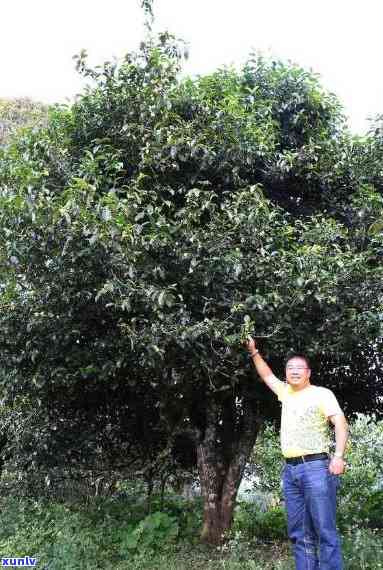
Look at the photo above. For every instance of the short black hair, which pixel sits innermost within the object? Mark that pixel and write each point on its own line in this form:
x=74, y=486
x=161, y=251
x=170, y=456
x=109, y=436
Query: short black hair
x=301, y=356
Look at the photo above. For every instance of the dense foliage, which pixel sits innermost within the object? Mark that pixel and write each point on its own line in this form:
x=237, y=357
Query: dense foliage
x=116, y=533
x=18, y=113
x=146, y=229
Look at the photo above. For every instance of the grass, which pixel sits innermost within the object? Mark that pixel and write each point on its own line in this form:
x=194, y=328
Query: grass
x=100, y=534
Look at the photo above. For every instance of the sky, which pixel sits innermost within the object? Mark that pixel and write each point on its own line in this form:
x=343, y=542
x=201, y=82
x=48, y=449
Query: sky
x=341, y=40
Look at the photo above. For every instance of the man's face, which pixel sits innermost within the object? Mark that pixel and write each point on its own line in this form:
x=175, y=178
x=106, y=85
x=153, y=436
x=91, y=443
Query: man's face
x=297, y=373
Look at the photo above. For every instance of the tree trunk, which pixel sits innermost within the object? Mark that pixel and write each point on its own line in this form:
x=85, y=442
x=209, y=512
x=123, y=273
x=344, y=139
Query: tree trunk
x=164, y=479
x=219, y=496
x=220, y=477
x=150, y=486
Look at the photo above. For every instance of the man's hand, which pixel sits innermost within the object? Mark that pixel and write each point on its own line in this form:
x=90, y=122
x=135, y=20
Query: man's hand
x=263, y=369
x=250, y=345
x=337, y=466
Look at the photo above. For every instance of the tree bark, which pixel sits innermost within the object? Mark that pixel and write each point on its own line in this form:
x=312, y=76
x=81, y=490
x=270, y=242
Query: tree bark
x=221, y=469
x=150, y=487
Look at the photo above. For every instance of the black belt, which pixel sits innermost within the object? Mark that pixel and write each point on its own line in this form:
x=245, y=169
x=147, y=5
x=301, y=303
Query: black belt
x=304, y=458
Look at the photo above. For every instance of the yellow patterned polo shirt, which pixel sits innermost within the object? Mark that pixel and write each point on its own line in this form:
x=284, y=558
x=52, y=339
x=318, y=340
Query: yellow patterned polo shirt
x=304, y=424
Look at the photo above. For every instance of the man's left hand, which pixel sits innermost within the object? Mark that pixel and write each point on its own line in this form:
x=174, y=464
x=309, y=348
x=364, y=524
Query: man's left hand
x=337, y=466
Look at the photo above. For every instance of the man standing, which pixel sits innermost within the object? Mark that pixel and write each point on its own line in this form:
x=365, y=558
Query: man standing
x=310, y=476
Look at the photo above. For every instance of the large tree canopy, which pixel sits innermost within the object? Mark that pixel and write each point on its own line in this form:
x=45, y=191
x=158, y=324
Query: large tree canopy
x=152, y=225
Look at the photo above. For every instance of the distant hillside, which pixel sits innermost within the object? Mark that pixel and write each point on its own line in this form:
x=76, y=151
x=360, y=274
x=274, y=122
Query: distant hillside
x=15, y=113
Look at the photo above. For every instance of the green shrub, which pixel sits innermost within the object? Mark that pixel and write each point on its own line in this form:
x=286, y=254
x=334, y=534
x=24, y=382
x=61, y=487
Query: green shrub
x=372, y=510
x=96, y=535
x=363, y=473
x=188, y=513
x=272, y=524
x=362, y=550
x=255, y=524
x=267, y=461
x=154, y=533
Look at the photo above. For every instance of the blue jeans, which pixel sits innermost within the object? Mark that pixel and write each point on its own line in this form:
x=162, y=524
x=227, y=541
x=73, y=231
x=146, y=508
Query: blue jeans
x=310, y=497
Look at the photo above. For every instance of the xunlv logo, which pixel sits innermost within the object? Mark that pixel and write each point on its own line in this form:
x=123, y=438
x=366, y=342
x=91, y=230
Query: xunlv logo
x=25, y=561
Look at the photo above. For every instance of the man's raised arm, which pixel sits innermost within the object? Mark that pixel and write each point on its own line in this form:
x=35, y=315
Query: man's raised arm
x=263, y=369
